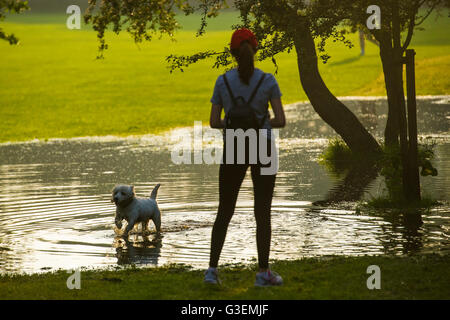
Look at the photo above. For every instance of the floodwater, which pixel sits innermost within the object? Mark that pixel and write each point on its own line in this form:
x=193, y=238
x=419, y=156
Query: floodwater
x=55, y=209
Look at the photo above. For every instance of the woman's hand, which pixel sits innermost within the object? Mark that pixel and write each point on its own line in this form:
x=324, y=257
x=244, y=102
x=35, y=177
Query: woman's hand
x=214, y=120
x=279, y=121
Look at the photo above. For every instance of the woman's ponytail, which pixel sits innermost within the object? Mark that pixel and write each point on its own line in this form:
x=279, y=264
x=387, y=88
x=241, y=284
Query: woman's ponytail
x=244, y=56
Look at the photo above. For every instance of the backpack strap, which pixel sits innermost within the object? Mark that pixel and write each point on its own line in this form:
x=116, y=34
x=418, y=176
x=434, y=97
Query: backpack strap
x=233, y=99
x=256, y=88
x=260, y=124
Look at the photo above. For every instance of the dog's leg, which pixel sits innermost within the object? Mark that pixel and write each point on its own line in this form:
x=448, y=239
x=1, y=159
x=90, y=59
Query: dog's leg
x=145, y=232
x=129, y=227
x=118, y=219
x=144, y=227
x=157, y=222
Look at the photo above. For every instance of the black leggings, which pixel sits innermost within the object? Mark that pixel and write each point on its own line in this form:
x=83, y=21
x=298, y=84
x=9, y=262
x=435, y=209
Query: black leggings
x=230, y=180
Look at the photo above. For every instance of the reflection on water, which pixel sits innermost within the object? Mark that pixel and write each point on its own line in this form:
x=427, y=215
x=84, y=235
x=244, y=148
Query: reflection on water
x=135, y=251
x=55, y=209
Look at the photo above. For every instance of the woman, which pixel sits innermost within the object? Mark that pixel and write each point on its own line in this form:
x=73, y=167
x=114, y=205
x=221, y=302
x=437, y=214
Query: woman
x=243, y=81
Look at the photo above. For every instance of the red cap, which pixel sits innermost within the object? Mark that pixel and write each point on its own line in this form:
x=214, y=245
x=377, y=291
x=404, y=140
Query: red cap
x=242, y=35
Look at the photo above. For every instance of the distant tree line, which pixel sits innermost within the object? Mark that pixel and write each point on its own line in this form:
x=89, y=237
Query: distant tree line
x=55, y=6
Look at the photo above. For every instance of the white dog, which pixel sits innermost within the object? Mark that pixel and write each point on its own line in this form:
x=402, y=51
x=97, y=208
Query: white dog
x=135, y=210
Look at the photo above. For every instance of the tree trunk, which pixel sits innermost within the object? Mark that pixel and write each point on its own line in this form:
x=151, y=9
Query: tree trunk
x=391, y=131
x=329, y=108
x=391, y=59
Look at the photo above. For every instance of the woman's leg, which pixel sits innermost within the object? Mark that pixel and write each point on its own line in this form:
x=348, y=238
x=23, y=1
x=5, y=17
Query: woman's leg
x=263, y=186
x=230, y=180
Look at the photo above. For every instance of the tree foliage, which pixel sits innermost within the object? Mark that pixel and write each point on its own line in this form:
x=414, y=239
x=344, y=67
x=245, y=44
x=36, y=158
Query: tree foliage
x=275, y=22
x=407, y=14
x=141, y=18
x=7, y=7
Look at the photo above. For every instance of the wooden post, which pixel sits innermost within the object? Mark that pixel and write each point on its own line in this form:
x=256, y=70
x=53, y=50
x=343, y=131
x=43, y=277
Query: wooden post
x=403, y=133
x=413, y=187
x=402, y=120
x=404, y=149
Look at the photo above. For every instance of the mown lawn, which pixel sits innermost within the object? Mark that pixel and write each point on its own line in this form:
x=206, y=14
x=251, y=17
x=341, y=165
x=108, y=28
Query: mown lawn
x=416, y=277
x=51, y=85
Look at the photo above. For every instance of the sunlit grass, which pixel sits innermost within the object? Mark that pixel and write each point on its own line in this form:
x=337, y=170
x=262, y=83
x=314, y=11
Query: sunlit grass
x=51, y=85
x=421, y=277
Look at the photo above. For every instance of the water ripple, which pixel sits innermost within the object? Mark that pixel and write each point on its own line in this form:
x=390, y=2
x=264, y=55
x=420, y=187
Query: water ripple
x=55, y=209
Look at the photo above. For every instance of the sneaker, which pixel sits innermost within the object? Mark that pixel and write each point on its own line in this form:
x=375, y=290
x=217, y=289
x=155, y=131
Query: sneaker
x=211, y=276
x=268, y=278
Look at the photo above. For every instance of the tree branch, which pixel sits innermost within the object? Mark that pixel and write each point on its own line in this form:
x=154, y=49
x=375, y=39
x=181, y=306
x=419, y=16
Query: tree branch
x=11, y=6
x=428, y=13
x=412, y=19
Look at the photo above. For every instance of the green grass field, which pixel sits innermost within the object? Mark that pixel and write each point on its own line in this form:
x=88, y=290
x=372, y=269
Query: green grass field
x=51, y=85
x=422, y=277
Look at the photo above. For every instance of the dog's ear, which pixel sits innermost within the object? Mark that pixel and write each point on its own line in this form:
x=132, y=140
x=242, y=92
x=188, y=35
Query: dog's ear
x=132, y=189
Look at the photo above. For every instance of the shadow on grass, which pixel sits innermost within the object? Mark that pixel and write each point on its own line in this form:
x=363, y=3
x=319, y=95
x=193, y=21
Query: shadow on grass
x=345, y=61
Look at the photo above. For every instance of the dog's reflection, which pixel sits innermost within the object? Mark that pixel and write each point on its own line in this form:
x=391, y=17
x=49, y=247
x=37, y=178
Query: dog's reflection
x=139, y=249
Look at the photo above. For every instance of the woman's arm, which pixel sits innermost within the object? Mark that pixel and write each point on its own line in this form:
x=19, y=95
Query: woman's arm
x=214, y=120
x=279, y=121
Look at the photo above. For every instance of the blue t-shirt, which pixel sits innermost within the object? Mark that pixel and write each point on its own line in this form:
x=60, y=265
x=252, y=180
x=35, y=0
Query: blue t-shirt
x=268, y=89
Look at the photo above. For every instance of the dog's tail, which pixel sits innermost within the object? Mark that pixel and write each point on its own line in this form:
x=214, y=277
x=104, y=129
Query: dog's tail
x=155, y=192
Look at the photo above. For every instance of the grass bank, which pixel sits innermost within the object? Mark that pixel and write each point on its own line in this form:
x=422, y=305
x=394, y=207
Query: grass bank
x=52, y=86
x=415, y=277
